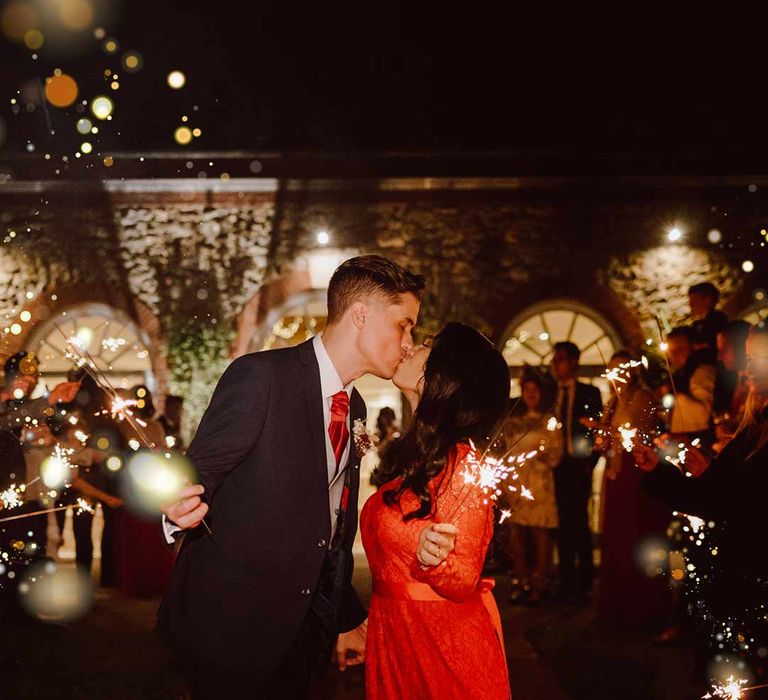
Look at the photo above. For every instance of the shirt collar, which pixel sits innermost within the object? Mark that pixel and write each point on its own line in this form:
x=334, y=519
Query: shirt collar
x=330, y=382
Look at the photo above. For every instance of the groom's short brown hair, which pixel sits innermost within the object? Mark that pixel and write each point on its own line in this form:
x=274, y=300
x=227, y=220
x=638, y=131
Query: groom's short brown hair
x=359, y=277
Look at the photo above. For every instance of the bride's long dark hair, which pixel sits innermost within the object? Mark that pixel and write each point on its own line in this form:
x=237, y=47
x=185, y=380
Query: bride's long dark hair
x=466, y=392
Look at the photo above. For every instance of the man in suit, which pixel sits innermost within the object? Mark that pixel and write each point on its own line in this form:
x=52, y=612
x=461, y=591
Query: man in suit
x=255, y=606
x=575, y=405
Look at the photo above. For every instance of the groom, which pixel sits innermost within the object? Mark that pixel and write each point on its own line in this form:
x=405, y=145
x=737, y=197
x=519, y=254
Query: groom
x=254, y=607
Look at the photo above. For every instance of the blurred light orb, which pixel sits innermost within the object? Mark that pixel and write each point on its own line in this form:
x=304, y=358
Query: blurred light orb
x=323, y=237
x=714, y=236
x=34, y=39
x=114, y=463
x=17, y=19
x=84, y=126
x=133, y=61
x=183, y=135
x=759, y=295
x=674, y=235
x=197, y=132
x=86, y=147
x=76, y=15
x=747, y=266
x=153, y=480
x=102, y=107
x=54, y=594
x=652, y=555
x=668, y=400
x=54, y=472
x=111, y=45
x=176, y=79
x=16, y=328
x=25, y=316
x=108, y=161
x=61, y=90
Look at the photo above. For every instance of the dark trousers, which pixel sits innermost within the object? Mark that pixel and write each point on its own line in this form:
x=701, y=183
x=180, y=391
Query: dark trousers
x=573, y=488
x=291, y=680
x=82, y=525
x=108, y=549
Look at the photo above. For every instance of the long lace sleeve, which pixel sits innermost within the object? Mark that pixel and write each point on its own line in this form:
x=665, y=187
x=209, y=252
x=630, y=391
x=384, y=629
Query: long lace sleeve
x=467, y=508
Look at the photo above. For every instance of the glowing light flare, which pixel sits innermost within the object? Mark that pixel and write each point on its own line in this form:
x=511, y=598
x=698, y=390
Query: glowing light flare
x=674, y=235
x=628, y=435
x=56, y=469
x=56, y=595
x=61, y=90
x=154, y=480
x=176, y=80
x=731, y=690
x=76, y=15
x=102, y=107
x=84, y=507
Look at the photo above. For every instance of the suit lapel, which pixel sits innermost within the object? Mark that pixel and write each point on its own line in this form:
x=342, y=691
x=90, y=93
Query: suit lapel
x=315, y=419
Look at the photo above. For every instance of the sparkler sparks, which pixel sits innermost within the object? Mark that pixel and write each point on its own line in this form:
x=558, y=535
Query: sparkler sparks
x=504, y=515
x=84, y=507
x=113, y=344
x=11, y=497
x=628, y=435
x=620, y=373
x=732, y=690
x=552, y=424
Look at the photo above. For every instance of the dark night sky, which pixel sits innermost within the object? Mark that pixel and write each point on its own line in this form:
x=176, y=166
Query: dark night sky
x=387, y=76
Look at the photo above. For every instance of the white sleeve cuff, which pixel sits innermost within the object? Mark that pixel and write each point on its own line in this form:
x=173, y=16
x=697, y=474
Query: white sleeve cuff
x=170, y=530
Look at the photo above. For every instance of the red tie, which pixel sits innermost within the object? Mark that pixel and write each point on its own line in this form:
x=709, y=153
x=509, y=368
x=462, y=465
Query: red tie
x=338, y=427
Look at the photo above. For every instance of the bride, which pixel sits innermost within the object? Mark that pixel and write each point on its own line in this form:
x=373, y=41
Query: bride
x=433, y=627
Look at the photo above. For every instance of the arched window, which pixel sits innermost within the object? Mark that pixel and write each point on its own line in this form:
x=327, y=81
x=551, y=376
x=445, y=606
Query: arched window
x=110, y=337
x=532, y=335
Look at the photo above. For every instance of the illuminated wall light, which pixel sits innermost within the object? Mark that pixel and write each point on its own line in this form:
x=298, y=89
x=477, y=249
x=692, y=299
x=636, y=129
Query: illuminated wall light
x=323, y=237
x=674, y=235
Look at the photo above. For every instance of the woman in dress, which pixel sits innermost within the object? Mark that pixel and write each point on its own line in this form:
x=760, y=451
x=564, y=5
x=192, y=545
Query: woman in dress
x=632, y=521
x=533, y=520
x=433, y=632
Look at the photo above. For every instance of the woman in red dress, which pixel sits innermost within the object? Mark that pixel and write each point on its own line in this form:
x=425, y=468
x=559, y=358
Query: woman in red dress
x=434, y=630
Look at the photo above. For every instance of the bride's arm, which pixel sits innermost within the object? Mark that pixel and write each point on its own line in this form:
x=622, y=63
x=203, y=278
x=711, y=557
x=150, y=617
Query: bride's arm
x=457, y=577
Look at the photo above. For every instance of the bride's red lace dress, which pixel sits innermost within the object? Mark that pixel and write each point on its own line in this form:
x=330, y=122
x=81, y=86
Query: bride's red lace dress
x=430, y=633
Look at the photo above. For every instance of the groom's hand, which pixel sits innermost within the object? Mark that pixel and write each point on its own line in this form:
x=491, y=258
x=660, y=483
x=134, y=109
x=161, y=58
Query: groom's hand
x=189, y=510
x=436, y=542
x=350, y=646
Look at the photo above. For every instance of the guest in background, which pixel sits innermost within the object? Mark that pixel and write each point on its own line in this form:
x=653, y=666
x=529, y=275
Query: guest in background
x=144, y=563
x=387, y=428
x=577, y=403
x=532, y=523
x=731, y=386
x=708, y=321
x=628, y=595
x=171, y=421
x=693, y=384
x=730, y=585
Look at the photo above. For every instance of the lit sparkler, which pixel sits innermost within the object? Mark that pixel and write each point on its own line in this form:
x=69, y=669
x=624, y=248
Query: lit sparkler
x=628, y=436
x=732, y=690
x=621, y=372
x=11, y=497
x=84, y=507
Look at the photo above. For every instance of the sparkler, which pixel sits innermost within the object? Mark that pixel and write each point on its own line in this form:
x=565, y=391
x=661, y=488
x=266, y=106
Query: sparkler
x=628, y=435
x=11, y=497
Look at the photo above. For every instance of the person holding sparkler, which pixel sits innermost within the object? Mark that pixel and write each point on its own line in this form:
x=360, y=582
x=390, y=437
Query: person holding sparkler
x=531, y=429
x=431, y=625
x=728, y=583
x=259, y=599
x=628, y=596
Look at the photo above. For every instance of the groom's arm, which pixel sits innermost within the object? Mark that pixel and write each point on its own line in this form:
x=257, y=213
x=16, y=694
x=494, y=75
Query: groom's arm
x=353, y=614
x=230, y=427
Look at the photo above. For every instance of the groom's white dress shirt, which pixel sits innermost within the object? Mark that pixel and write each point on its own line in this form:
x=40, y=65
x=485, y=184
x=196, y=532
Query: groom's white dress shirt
x=330, y=384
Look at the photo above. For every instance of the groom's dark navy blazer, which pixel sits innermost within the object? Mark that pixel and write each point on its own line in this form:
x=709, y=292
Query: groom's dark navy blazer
x=238, y=598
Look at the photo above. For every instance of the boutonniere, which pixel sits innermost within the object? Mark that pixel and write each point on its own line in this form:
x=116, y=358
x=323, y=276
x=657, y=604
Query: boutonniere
x=364, y=441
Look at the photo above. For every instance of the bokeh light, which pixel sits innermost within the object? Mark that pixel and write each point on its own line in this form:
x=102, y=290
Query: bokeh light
x=55, y=594
x=61, y=90
x=176, y=79
x=183, y=135
x=674, y=235
x=76, y=15
x=111, y=45
x=652, y=555
x=109, y=161
x=34, y=39
x=714, y=236
x=84, y=125
x=86, y=147
x=16, y=19
x=747, y=266
x=153, y=480
x=102, y=107
x=133, y=62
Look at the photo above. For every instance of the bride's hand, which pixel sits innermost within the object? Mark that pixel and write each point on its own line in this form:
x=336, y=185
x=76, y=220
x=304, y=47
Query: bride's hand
x=436, y=542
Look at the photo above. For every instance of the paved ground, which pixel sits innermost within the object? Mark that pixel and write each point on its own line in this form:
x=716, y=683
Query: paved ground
x=554, y=652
